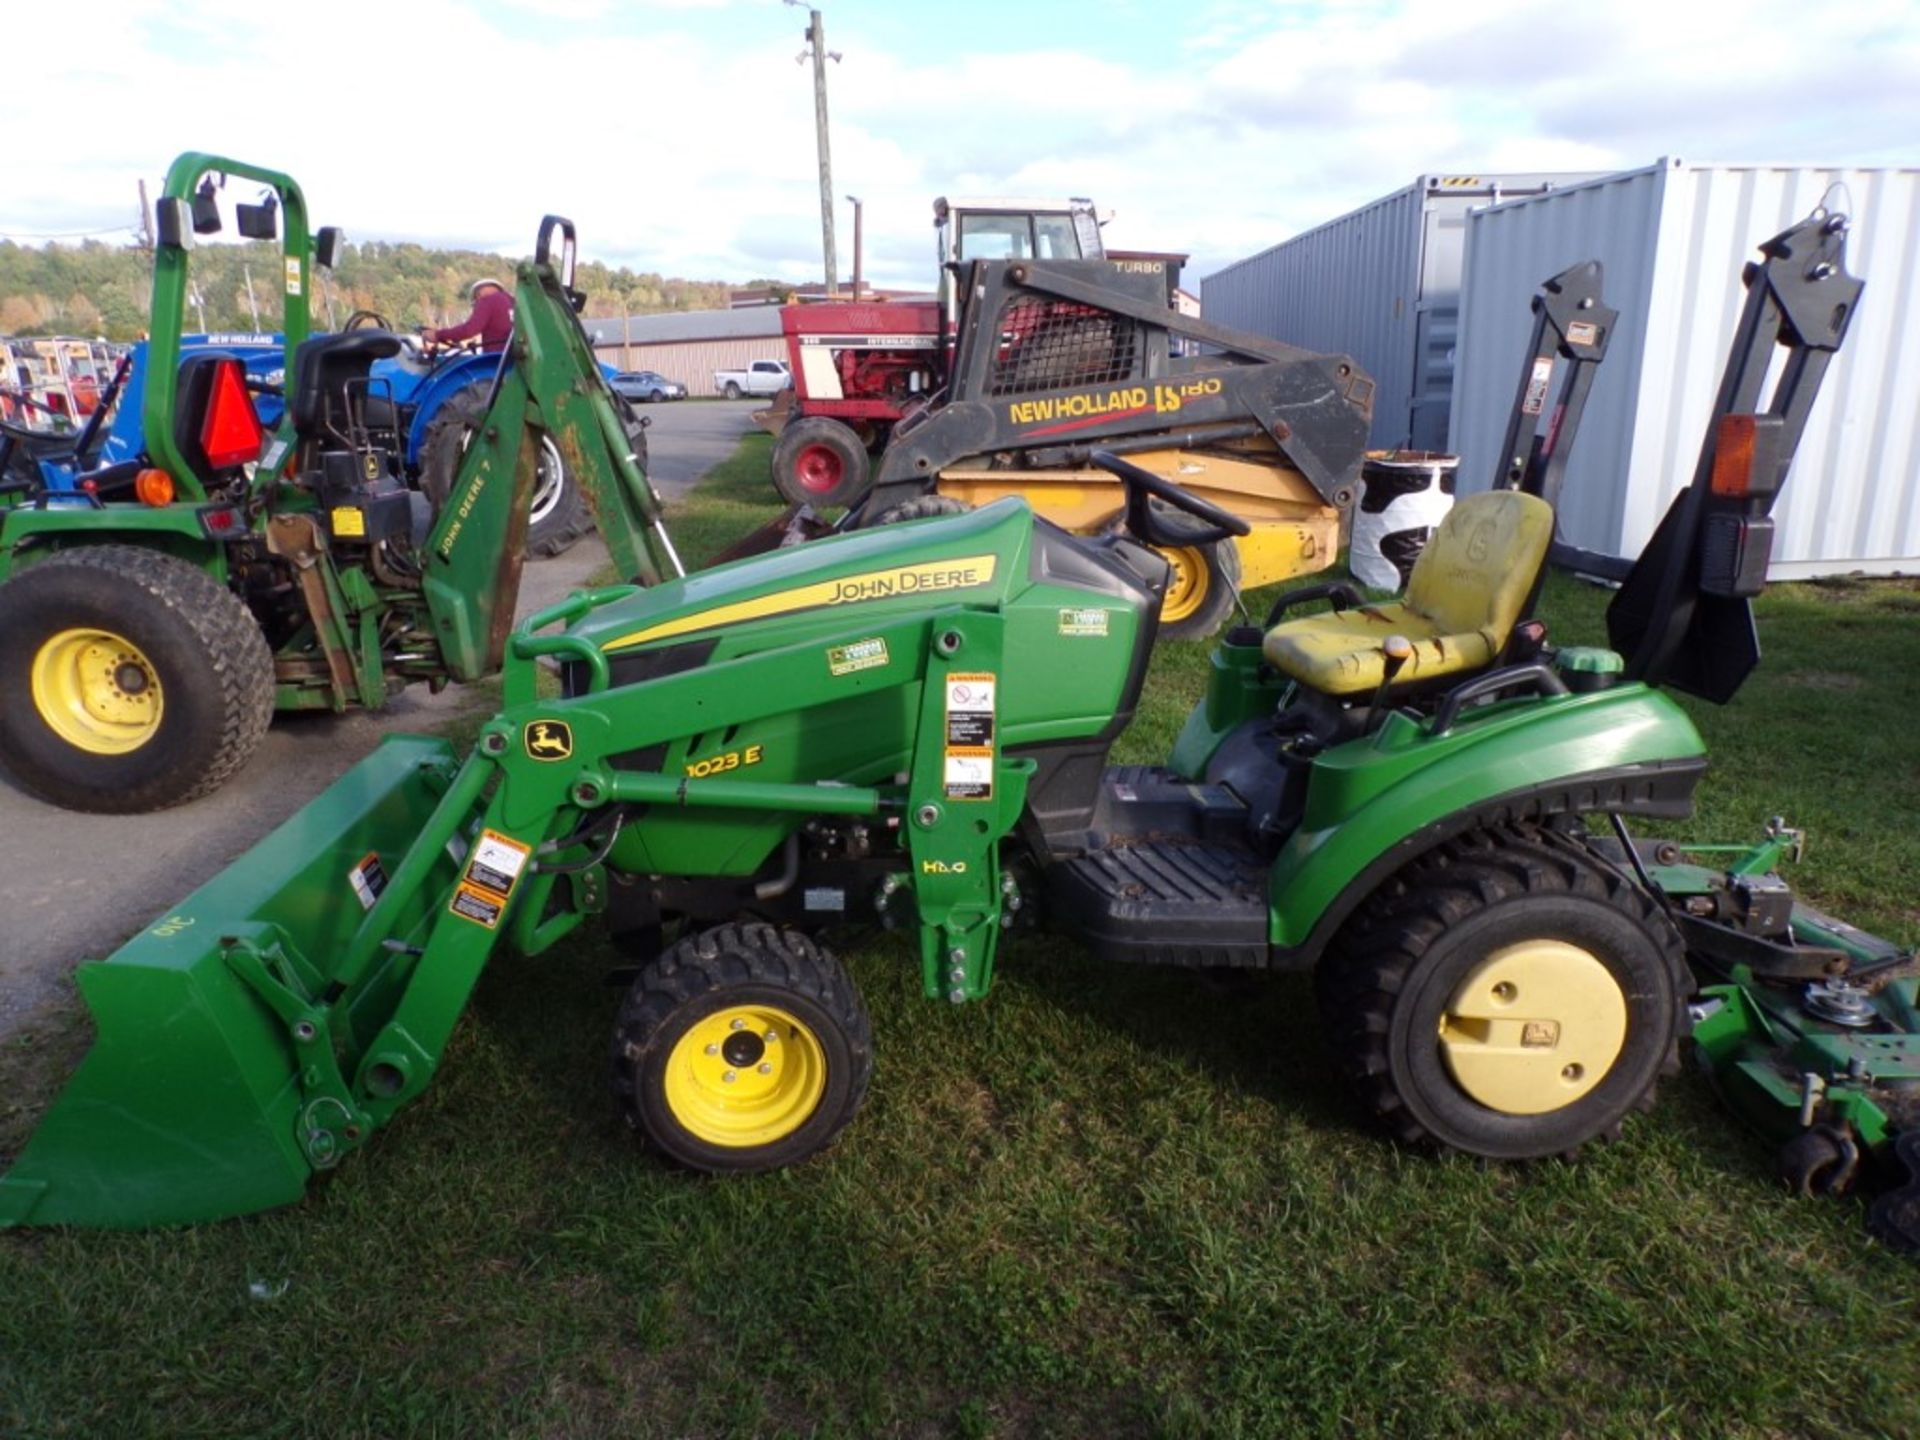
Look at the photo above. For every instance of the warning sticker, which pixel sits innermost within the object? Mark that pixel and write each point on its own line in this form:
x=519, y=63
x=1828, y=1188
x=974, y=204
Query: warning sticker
x=368, y=879
x=970, y=710
x=349, y=521
x=860, y=655
x=1537, y=381
x=968, y=772
x=293, y=275
x=496, y=862
x=494, y=866
x=478, y=906
x=1083, y=622
x=969, y=777
x=1582, y=332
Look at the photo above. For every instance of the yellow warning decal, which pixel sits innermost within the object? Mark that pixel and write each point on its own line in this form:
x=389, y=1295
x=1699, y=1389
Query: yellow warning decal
x=494, y=866
x=890, y=584
x=349, y=522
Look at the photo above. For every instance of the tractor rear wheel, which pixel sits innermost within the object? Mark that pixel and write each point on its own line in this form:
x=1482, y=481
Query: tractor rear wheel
x=1508, y=995
x=129, y=680
x=558, y=515
x=818, y=461
x=742, y=1048
x=1203, y=585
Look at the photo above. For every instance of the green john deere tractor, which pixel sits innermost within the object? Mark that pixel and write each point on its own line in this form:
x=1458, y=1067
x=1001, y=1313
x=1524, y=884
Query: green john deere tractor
x=1425, y=804
x=151, y=623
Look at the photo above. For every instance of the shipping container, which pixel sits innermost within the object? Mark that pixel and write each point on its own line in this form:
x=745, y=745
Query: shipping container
x=1381, y=284
x=1673, y=238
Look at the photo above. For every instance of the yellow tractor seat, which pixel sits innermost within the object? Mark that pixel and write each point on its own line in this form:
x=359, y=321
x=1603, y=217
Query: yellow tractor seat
x=1463, y=598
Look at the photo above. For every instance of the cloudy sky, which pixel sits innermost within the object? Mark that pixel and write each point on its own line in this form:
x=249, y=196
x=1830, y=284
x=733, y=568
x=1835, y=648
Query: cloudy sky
x=679, y=133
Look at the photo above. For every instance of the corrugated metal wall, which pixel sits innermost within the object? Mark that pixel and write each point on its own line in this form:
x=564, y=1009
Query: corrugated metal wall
x=1381, y=284
x=692, y=362
x=1349, y=287
x=1673, y=238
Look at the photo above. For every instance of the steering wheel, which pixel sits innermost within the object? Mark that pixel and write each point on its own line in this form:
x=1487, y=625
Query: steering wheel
x=1141, y=484
x=366, y=319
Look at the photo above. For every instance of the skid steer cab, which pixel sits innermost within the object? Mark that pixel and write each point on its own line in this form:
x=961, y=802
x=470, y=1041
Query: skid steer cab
x=1425, y=804
x=158, y=611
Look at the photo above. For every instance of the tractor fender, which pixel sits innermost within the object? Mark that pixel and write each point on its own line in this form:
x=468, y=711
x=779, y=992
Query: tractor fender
x=29, y=535
x=1378, y=803
x=440, y=385
x=437, y=388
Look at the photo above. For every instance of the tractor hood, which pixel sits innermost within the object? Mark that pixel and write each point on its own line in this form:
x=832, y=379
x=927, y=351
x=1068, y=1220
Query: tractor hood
x=969, y=560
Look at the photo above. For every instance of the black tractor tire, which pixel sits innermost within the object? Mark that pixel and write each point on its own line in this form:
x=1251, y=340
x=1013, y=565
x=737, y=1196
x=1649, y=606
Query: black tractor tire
x=922, y=507
x=154, y=682
x=805, y=1050
x=732, y=391
x=559, y=514
x=819, y=461
x=1204, y=587
x=1410, y=954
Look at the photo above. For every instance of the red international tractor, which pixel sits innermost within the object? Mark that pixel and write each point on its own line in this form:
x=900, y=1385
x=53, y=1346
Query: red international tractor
x=860, y=366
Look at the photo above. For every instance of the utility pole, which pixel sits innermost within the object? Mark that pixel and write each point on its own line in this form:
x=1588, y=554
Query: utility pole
x=146, y=221
x=854, y=200
x=816, y=37
x=252, y=304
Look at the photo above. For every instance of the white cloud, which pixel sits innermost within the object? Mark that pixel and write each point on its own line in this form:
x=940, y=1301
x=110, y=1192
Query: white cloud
x=683, y=141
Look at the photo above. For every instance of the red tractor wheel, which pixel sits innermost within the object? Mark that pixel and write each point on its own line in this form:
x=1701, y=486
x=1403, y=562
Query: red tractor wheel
x=820, y=462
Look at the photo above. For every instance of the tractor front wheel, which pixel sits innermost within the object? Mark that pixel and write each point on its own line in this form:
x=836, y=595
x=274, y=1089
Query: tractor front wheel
x=129, y=680
x=742, y=1048
x=818, y=461
x=1510, y=996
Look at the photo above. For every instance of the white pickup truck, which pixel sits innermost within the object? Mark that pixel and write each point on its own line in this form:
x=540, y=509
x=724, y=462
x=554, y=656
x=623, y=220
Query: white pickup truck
x=761, y=377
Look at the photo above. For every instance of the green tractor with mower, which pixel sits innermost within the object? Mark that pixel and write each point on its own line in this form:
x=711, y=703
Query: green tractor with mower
x=1424, y=804
x=153, y=621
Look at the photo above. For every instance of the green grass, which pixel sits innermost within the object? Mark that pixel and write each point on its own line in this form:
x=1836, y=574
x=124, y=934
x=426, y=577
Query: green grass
x=1107, y=1202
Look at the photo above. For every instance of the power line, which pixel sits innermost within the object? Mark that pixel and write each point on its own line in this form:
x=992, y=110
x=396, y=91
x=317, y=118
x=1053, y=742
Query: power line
x=64, y=234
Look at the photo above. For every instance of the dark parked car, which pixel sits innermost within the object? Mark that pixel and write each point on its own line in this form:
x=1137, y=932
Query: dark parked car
x=648, y=385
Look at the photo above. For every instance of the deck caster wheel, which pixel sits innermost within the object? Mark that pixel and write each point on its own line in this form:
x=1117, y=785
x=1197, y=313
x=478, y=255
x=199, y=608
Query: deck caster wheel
x=742, y=1048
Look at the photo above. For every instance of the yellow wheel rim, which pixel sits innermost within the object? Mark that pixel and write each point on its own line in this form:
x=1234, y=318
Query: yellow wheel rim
x=96, y=691
x=1186, y=586
x=1534, y=1027
x=746, y=1075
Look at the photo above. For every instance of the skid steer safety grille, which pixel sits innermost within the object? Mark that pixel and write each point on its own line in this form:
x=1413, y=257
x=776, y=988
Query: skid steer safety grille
x=1054, y=344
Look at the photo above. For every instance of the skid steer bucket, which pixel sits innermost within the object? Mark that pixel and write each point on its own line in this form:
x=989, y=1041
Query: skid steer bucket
x=190, y=1104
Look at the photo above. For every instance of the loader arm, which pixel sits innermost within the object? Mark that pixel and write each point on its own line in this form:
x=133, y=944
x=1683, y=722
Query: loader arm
x=307, y=994
x=548, y=382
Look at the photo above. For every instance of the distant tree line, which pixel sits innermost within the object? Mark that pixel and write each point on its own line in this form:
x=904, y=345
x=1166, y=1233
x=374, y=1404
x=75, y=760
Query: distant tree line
x=96, y=289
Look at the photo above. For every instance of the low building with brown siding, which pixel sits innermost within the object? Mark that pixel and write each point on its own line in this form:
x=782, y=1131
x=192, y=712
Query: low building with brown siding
x=689, y=345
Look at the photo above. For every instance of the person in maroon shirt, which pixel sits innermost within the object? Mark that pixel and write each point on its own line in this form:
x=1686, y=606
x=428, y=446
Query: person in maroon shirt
x=491, y=320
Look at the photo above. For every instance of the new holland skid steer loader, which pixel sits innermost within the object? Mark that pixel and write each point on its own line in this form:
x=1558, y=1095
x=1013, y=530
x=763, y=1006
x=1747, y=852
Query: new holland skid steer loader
x=1423, y=803
x=1050, y=360
x=153, y=620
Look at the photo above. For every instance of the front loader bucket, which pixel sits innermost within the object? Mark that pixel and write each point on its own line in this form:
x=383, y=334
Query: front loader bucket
x=187, y=1106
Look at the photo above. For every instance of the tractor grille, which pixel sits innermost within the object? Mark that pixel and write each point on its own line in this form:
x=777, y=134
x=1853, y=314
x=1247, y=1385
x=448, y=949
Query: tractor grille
x=1056, y=344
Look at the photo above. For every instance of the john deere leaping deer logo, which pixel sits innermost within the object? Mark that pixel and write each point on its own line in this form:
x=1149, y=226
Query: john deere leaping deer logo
x=549, y=740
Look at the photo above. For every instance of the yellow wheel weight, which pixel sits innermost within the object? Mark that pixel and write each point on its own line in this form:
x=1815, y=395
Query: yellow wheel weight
x=746, y=1075
x=1186, y=586
x=96, y=691
x=1534, y=1027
